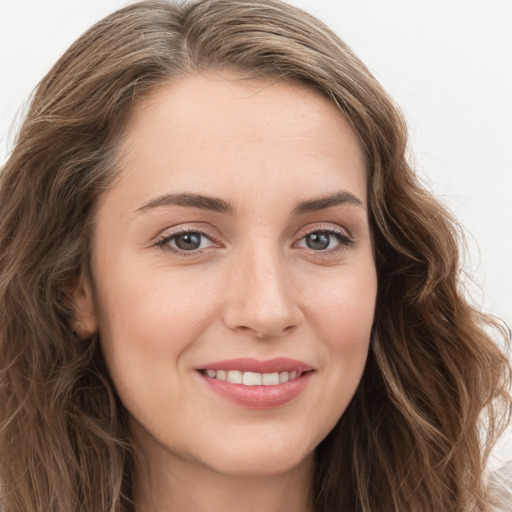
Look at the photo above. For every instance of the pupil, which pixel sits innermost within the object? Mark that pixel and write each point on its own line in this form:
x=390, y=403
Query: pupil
x=319, y=240
x=188, y=241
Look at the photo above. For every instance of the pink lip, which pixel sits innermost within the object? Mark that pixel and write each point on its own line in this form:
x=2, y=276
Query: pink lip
x=259, y=397
x=279, y=364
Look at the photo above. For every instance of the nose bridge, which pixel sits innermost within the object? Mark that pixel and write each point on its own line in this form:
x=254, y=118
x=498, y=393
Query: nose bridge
x=261, y=299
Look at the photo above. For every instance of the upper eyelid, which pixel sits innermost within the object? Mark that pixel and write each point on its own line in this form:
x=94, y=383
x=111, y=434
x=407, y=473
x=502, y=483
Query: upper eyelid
x=163, y=242
x=166, y=239
x=333, y=228
x=179, y=229
x=343, y=235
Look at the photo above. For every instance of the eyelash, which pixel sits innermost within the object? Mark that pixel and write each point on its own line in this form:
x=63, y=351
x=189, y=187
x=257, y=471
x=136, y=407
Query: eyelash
x=345, y=241
x=165, y=241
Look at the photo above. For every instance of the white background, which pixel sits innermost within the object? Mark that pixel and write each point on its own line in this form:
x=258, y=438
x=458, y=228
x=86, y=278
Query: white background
x=447, y=63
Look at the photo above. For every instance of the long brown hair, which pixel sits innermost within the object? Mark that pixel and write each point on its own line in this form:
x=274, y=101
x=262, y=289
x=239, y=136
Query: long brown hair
x=434, y=394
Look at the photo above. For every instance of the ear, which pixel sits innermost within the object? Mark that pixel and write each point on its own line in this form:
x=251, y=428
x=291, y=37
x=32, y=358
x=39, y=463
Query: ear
x=85, y=323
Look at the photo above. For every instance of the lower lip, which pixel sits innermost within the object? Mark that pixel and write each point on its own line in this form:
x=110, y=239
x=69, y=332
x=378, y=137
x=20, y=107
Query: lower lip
x=259, y=397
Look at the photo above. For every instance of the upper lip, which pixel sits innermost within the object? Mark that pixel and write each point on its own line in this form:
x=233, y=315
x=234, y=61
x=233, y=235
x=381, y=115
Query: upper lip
x=246, y=364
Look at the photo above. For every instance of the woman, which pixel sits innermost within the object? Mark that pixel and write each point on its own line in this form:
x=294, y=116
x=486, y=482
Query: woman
x=223, y=288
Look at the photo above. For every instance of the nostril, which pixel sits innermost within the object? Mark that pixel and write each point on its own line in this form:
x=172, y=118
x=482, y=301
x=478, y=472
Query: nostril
x=261, y=334
x=249, y=330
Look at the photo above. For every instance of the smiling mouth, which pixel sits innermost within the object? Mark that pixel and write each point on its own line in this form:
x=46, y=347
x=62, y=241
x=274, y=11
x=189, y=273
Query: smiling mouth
x=253, y=378
x=256, y=384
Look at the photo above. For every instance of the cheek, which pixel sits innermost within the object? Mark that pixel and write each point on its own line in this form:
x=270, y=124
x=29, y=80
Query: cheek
x=148, y=323
x=156, y=304
x=148, y=329
x=343, y=305
x=342, y=314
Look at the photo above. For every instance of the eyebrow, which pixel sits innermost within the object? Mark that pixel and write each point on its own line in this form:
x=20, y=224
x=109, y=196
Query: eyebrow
x=341, y=197
x=191, y=200
x=217, y=205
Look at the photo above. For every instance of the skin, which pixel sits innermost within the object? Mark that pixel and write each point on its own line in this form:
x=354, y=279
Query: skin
x=253, y=288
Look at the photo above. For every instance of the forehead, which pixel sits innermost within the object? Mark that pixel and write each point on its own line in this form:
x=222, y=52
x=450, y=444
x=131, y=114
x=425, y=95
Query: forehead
x=221, y=133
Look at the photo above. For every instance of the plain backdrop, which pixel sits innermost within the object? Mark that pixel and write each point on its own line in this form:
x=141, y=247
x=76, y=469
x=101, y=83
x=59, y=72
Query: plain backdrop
x=447, y=63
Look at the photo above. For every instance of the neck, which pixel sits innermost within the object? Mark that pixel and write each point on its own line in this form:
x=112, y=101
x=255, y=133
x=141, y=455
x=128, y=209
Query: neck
x=182, y=485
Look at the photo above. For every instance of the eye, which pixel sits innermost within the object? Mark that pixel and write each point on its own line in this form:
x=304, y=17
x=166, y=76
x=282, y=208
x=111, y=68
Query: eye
x=325, y=240
x=185, y=242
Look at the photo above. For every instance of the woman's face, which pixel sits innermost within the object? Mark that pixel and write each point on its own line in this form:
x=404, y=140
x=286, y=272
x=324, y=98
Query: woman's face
x=233, y=277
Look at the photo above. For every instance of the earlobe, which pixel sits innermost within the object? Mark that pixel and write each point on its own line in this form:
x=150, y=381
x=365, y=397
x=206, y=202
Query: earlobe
x=85, y=322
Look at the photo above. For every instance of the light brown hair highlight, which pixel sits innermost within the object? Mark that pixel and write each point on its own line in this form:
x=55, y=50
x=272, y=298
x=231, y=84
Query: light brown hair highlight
x=410, y=440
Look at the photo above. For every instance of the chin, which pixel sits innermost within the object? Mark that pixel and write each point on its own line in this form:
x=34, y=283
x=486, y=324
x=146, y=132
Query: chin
x=263, y=458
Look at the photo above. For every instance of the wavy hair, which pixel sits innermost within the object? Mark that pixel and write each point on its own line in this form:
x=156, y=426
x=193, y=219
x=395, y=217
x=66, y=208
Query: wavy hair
x=434, y=394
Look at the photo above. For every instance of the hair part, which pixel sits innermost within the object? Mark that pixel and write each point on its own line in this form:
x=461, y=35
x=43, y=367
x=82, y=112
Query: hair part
x=411, y=439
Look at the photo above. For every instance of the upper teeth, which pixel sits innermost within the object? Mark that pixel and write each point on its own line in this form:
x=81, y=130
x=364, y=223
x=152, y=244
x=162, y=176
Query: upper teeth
x=252, y=378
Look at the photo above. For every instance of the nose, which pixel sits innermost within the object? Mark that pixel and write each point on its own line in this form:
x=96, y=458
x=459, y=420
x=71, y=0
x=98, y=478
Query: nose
x=260, y=298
